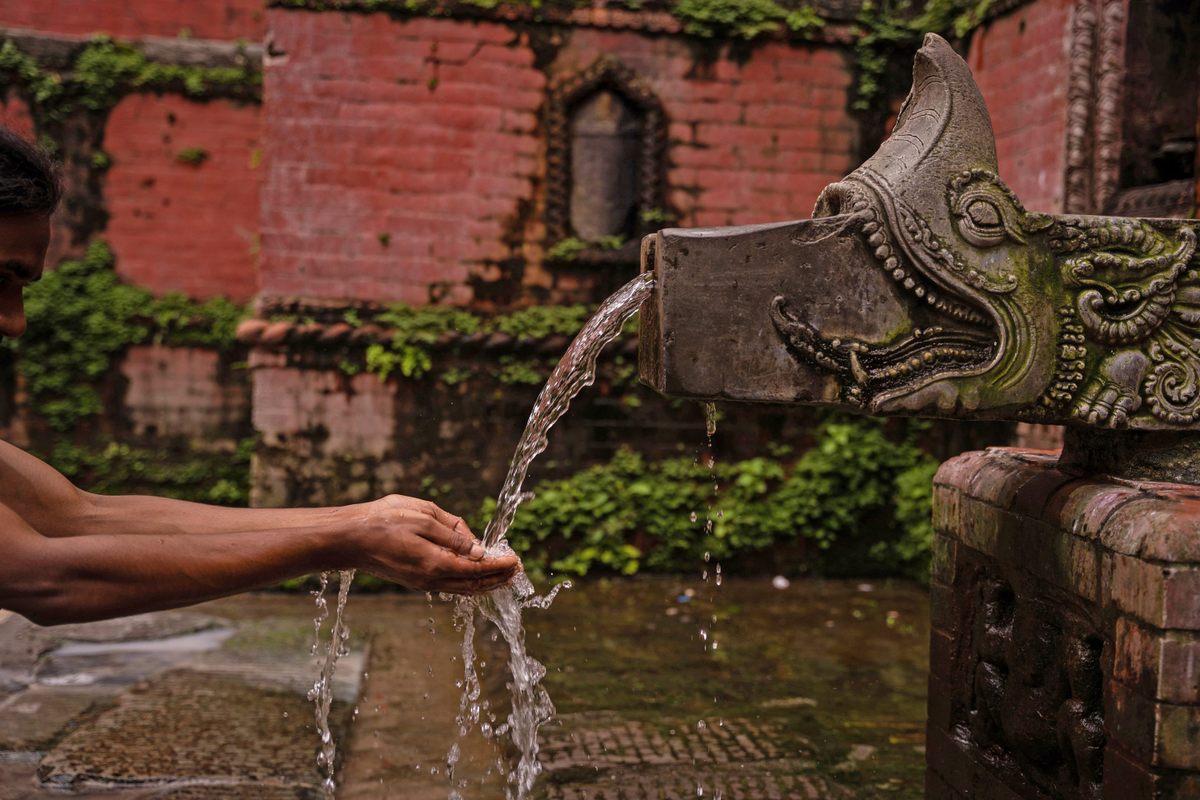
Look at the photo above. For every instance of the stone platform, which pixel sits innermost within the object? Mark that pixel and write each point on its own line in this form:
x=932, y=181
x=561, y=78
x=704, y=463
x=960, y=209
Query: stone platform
x=1065, y=655
x=169, y=706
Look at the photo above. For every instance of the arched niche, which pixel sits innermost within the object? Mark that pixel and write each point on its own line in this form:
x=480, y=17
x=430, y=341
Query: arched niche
x=606, y=144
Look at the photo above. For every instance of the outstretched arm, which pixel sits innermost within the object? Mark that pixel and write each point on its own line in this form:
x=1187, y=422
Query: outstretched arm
x=80, y=578
x=71, y=556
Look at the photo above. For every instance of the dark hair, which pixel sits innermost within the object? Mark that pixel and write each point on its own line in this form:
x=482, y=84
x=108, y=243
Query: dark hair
x=29, y=180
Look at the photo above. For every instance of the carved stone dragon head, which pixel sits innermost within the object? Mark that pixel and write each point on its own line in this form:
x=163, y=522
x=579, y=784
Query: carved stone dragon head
x=923, y=286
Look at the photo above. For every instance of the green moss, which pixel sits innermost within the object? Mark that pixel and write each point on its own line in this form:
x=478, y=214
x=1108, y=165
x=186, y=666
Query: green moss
x=192, y=156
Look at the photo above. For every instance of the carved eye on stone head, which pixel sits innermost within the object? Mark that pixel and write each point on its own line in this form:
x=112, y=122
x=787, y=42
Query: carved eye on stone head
x=984, y=215
x=982, y=220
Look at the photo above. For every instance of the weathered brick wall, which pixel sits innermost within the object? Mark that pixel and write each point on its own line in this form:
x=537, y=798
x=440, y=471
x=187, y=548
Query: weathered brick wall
x=212, y=19
x=1065, y=656
x=183, y=195
x=1021, y=63
x=405, y=158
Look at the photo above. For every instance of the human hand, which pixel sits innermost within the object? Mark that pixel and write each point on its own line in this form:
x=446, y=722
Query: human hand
x=415, y=543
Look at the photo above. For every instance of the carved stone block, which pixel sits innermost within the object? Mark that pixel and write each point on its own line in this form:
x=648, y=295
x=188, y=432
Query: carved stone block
x=1065, y=656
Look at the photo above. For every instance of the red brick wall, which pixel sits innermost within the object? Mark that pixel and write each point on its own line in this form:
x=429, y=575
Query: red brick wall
x=428, y=131
x=423, y=131
x=1020, y=62
x=176, y=226
x=14, y=114
x=209, y=19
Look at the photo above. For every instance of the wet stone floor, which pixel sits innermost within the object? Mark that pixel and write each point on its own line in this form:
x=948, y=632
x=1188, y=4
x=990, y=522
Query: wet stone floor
x=813, y=691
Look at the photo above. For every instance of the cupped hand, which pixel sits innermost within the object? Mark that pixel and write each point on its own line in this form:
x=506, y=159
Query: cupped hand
x=415, y=543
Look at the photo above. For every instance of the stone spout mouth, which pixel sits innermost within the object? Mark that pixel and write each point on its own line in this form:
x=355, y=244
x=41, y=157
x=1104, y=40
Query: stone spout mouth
x=728, y=302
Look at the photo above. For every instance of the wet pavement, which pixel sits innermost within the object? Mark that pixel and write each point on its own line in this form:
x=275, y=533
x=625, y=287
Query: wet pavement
x=813, y=691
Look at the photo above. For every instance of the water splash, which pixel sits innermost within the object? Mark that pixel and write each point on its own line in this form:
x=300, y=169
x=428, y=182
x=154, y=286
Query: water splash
x=321, y=692
x=531, y=704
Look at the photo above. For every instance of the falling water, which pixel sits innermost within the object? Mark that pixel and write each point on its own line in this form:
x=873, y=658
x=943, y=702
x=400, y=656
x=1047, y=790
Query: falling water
x=321, y=692
x=531, y=705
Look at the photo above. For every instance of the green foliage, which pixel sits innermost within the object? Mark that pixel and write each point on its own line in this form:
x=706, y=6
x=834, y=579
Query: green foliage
x=537, y=322
x=739, y=19
x=889, y=32
x=572, y=247
x=914, y=513
x=192, y=156
x=414, y=331
x=856, y=489
x=105, y=71
x=108, y=467
x=81, y=317
x=179, y=321
x=409, y=353
x=526, y=371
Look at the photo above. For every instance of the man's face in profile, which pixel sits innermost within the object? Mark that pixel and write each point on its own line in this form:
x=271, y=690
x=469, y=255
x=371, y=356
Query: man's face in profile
x=23, y=243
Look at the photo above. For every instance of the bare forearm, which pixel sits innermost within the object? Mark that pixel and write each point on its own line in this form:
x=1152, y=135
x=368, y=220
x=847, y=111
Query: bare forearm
x=73, y=579
x=141, y=515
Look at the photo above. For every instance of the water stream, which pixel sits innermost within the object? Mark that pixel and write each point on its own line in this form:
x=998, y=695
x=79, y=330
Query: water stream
x=531, y=704
x=321, y=693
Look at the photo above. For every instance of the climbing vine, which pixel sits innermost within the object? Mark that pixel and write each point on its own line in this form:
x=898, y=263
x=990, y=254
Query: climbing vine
x=415, y=333
x=82, y=317
x=104, y=71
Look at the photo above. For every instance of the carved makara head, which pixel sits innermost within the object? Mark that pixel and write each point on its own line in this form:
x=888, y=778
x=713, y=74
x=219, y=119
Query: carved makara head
x=923, y=286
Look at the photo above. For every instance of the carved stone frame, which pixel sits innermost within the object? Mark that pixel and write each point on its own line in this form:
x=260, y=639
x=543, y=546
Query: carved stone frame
x=565, y=94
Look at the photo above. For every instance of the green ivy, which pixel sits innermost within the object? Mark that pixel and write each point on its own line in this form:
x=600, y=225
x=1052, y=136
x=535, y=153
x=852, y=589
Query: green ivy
x=743, y=19
x=104, y=71
x=110, y=467
x=856, y=488
x=416, y=331
x=889, y=33
x=537, y=322
x=81, y=317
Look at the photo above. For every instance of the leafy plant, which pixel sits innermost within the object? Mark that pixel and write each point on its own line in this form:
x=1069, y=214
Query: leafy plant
x=109, y=467
x=856, y=489
x=81, y=317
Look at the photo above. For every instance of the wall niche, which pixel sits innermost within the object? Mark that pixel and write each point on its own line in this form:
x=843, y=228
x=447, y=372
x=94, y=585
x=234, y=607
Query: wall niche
x=604, y=174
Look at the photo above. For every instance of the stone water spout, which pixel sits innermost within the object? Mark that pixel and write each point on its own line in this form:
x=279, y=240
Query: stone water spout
x=1065, y=591
x=923, y=286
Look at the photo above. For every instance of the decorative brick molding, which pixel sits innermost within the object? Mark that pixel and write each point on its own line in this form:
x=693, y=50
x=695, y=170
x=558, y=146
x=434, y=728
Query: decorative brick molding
x=1065, y=655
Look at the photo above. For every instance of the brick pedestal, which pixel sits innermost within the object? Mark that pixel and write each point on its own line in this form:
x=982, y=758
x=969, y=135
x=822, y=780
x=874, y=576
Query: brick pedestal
x=1065, y=655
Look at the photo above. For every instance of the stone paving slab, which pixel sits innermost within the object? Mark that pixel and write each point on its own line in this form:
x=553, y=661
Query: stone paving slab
x=33, y=718
x=603, y=756
x=188, y=726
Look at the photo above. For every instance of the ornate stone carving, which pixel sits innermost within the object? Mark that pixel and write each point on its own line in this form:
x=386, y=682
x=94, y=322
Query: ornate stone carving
x=1094, y=90
x=605, y=73
x=977, y=307
x=1028, y=688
